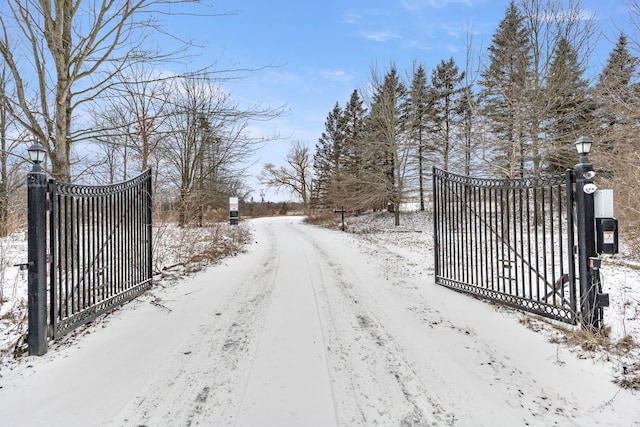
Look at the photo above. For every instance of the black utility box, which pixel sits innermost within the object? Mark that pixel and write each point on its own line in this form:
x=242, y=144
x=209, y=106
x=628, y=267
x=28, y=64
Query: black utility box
x=607, y=236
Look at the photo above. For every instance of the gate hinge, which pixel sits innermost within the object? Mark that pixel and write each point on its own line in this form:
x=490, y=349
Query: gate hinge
x=24, y=265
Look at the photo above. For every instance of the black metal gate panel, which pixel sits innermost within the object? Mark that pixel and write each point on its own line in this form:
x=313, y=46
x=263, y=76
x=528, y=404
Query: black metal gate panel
x=507, y=240
x=100, y=248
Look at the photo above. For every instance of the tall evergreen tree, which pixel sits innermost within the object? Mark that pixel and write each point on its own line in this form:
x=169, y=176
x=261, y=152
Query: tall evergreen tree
x=616, y=154
x=447, y=102
x=571, y=112
x=504, y=92
x=354, y=117
x=327, y=160
x=339, y=157
x=416, y=110
x=614, y=96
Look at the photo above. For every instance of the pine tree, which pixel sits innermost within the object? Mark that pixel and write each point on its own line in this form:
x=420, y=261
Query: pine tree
x=354, y=117
x=614, y=97
x=616, y=152
x=571, y=110
x=446, y=99
x=327, y=160
x=416, y=111
x=504, y=92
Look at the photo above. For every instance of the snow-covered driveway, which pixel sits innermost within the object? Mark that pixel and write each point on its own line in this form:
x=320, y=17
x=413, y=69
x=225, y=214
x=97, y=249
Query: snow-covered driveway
x=313, y=327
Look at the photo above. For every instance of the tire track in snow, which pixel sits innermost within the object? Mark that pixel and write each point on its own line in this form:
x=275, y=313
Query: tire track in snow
x=201, y=383
x=374, y=380
x=465, y=355
x=289, y=383
x=378, y=376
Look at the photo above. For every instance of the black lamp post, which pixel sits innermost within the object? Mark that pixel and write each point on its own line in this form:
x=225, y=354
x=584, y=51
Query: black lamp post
x=586, y=235
x=37, y=253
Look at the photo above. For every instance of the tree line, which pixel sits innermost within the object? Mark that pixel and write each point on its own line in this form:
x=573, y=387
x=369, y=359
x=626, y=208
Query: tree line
x=515, y=114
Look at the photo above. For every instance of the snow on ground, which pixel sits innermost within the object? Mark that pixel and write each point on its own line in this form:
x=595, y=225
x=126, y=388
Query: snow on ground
x=620, y=275
x=177, y=252
x=318, y=327
x=13, y=291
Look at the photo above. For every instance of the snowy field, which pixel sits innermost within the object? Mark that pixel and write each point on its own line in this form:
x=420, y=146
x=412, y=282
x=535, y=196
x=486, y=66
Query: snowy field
x=312, y=326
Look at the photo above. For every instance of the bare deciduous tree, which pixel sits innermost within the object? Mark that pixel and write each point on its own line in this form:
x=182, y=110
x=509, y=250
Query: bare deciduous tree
x=133, y=117
x=65, y=54
x=551, y=24
x=8, y=143
x=206, y=144
x=295, y=177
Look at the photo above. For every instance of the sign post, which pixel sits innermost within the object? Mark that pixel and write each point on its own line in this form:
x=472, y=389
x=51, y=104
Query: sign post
x=233, y=215
x=233, y=210
x=341, y=212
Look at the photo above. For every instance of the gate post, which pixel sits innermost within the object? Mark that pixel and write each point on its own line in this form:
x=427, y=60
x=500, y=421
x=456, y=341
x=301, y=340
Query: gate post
x=586, y=235
x=37, y=255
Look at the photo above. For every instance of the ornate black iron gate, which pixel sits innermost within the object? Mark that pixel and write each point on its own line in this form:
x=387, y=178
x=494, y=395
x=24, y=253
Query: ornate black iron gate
x=100, y=248
x=507, y=240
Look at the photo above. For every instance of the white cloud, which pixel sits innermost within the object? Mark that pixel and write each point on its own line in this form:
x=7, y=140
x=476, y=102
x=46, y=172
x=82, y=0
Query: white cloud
x=451, y=48
x=378, y=36
x=280, y=78
x=417, y=44
x=351, y=18
x=413, y=5
x=452, y=32
x=336, y=75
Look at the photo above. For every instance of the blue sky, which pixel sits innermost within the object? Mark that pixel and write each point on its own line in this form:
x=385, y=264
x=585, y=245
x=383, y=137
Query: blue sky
x=319, y=52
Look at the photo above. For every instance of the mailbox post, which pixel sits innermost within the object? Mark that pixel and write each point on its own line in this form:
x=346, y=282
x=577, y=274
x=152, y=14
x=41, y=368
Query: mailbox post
x=233, y=215
x=233, y=211
x=341, y=212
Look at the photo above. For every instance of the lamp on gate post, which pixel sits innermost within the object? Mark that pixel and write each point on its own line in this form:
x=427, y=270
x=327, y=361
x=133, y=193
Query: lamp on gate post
x=36, y=155
x=586, y=234
x=37, y=255
x=583, y=145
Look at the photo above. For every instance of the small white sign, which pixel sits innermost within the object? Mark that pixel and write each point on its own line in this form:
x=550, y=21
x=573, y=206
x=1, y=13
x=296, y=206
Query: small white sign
x=608, y=238
x=233, y=204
